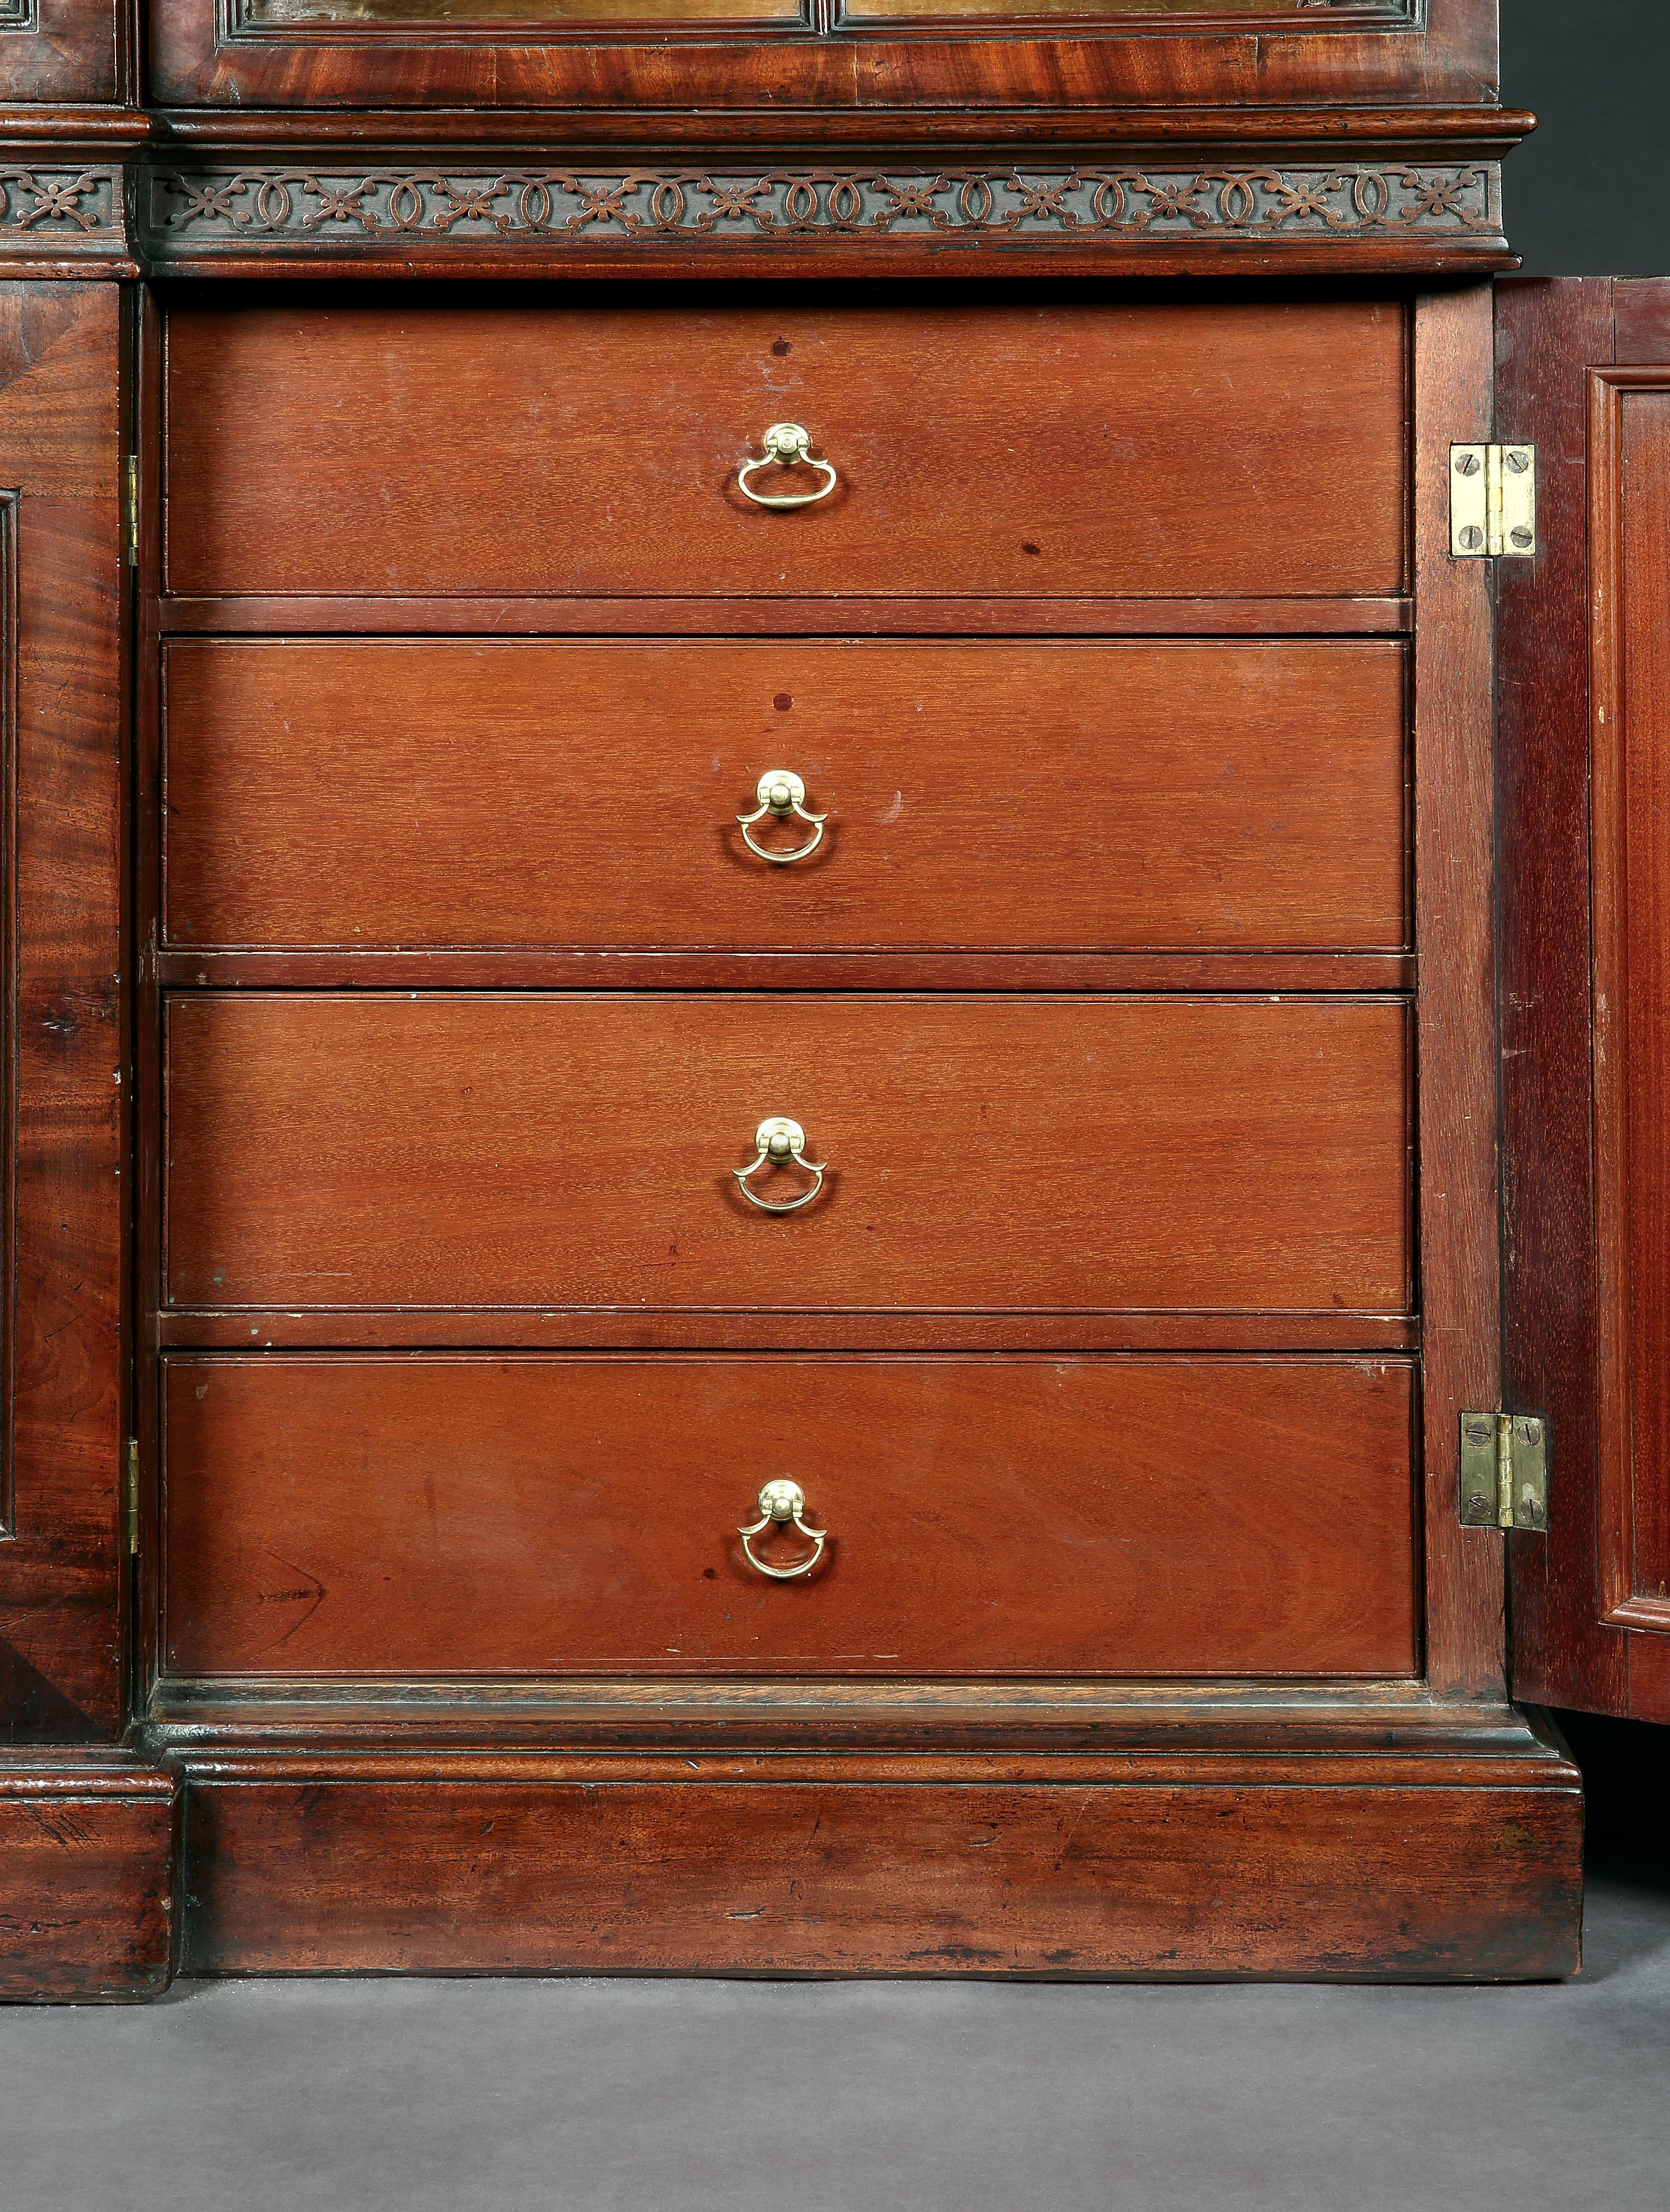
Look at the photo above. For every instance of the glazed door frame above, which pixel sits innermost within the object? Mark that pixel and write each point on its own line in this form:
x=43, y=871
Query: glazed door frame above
x=1445, y=52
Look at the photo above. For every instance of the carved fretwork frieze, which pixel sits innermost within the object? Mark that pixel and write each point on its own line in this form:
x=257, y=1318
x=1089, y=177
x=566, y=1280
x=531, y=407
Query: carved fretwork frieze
x=57, y=212
x=208, y=209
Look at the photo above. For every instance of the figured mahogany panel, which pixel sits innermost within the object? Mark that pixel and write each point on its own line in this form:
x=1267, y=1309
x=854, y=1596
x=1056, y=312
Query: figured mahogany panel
x=978, y=796
x=457, y=1516
x=58, y=50
x=995, y=1153
x=1416, y=54
x=318, y=444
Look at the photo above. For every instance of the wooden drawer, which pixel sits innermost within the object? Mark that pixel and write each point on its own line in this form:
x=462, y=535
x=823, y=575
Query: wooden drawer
x=1189, y=450
x=452, y=1515
x=1051, y=797
x=983, y=1153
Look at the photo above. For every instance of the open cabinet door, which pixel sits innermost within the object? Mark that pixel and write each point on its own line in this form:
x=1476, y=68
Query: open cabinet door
x=1584, y=372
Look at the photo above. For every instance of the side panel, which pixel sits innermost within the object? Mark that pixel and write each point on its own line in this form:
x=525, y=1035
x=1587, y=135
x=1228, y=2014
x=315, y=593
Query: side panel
x=61, y=1573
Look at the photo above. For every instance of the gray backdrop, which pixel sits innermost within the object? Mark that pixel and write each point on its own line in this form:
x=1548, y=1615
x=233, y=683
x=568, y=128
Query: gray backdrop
x=1589, y=194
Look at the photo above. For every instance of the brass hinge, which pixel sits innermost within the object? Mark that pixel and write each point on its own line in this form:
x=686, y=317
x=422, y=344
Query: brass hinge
x=131, y=1499
x=131, y=509
x=1492, y=501
x=1504, y=1471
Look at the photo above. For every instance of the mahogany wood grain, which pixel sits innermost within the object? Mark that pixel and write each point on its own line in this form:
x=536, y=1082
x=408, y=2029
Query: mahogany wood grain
x=1629, y=449
x=1547, y=334
x=69, y=51
x=988, y=450
x=62, y=1583
x=459, y=1516
x=88, y=1847
x=1287, y=972
x=1056, y=796
x=1447, y=56
x=984, y=1154
x=1456, y=1000
x=1640, y=322
x=1153, y=1879
x=249, y=614
x=1649, y=1678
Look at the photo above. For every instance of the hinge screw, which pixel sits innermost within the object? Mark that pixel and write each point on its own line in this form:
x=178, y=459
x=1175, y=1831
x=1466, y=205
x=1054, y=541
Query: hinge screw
x=1472, y=538
x=1466, y=464
x=1517, y=461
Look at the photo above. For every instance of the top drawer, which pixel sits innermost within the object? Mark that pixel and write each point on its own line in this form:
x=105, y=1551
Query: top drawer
x=460, y=448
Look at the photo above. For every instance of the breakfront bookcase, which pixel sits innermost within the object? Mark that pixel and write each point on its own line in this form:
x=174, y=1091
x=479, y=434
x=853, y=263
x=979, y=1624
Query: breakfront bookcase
x=835, y=1045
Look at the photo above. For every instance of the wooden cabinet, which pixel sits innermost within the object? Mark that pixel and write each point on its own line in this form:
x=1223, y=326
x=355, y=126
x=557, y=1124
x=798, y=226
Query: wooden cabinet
x=780, y=1046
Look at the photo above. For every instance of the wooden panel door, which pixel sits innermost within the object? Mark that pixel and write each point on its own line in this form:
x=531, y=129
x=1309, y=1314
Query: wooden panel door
x=1584, y=370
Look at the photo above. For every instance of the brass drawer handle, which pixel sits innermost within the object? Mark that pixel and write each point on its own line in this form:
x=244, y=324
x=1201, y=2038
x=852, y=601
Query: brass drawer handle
x=780, y=1140
x=783, y=1502
x=781, y=793
x=786, y=443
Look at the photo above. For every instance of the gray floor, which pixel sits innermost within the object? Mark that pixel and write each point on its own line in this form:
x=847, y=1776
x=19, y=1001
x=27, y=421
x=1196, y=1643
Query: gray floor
x=669, y=2096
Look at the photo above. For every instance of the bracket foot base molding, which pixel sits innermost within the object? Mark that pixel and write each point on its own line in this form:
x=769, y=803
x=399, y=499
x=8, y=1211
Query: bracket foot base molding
x=88, y=1849
x=1441, y=1864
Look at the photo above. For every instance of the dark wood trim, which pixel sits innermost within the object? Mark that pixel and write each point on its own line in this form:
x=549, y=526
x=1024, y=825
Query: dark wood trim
x=1465, y=131
x=1610, y=934
x=1455, y=928
x=311, y=1719
x=63, y=218
x=1547, y=333
x=765, y=1866
x=10, y=642
x=244, y=1328
x=260, y=616
x=409, y=212
x=88, y=1847
x=1289, y=973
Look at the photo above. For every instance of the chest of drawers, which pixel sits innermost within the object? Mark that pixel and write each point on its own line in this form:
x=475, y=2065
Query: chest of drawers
x=804, y=874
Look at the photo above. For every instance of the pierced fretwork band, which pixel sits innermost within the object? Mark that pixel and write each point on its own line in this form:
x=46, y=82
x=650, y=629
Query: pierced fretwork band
x=1350, y=203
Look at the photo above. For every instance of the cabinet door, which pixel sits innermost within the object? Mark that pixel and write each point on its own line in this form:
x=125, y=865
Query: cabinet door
x=1583, y=369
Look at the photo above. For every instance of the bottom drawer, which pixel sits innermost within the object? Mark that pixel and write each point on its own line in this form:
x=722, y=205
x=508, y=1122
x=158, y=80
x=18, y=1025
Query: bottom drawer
x=450, y=1513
